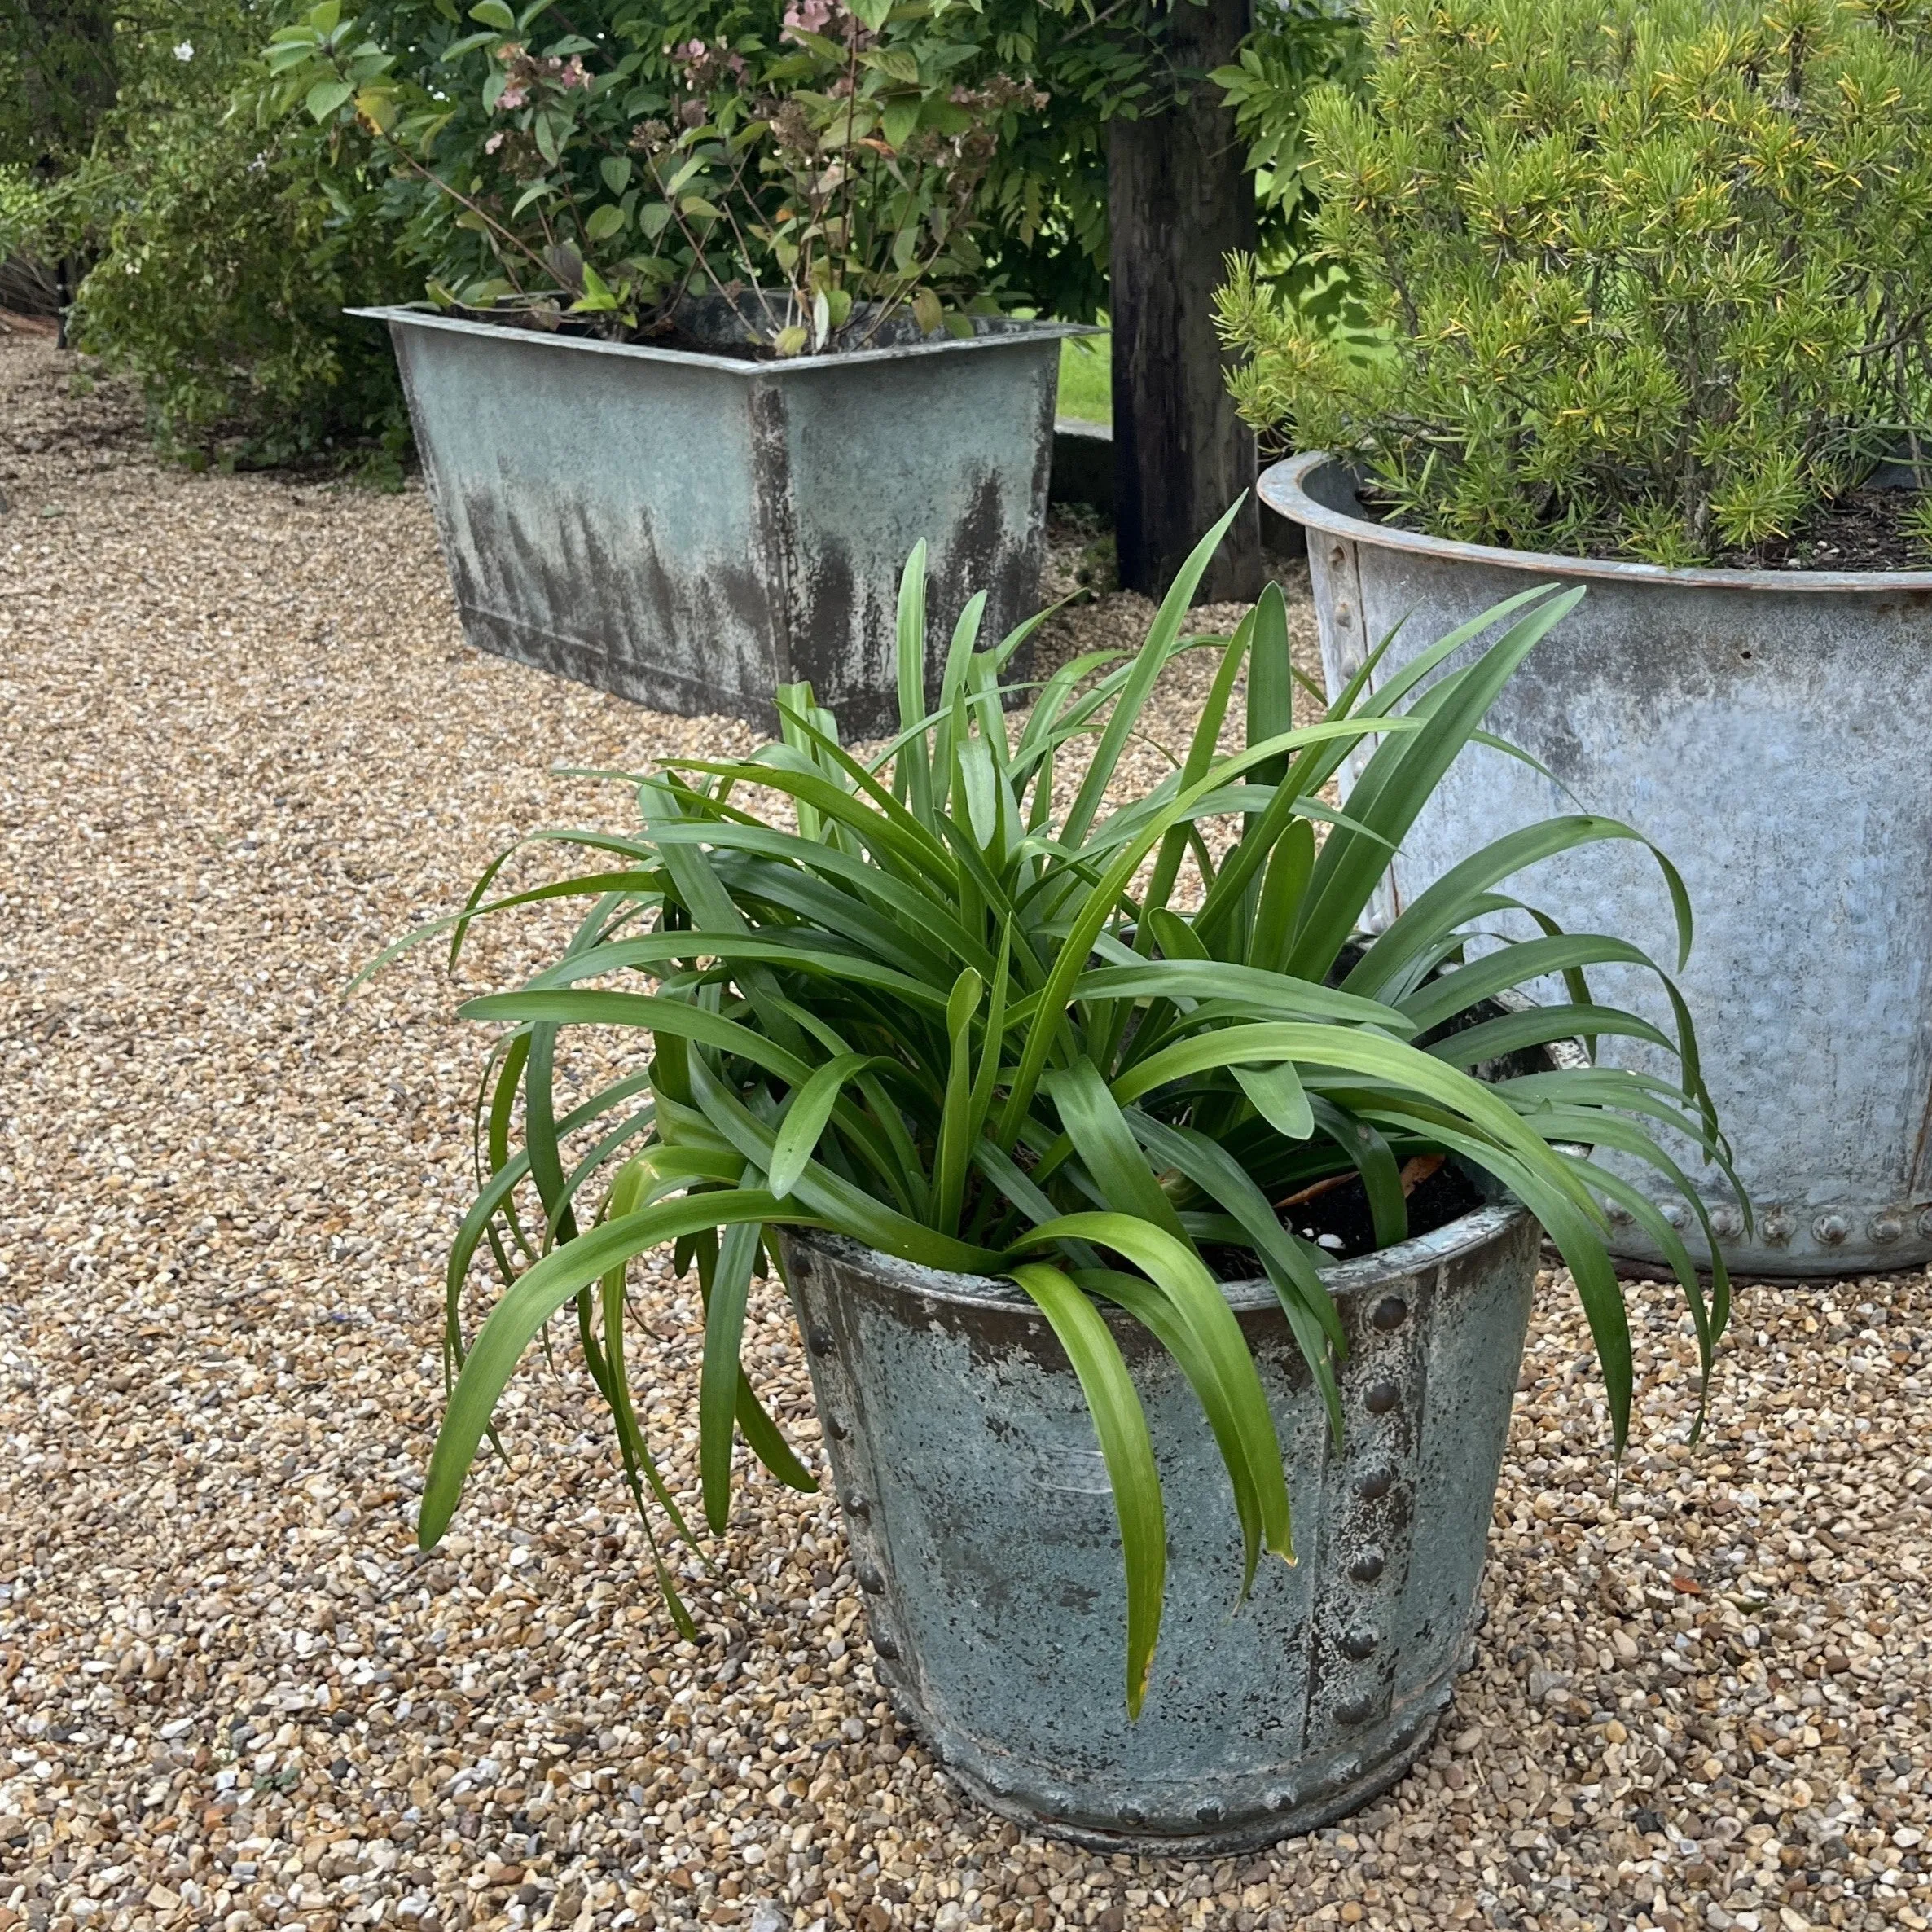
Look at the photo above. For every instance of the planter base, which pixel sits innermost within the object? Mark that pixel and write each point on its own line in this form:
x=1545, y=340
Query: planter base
x=1312, y=1797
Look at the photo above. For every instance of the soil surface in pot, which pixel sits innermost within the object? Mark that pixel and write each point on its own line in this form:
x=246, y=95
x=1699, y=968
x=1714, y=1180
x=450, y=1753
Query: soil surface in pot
x=1336, y=1216
x=1864, y=529
x=661, y=332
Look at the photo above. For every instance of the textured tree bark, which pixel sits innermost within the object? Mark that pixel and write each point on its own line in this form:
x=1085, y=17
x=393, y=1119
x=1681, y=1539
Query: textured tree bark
x=1179, y=201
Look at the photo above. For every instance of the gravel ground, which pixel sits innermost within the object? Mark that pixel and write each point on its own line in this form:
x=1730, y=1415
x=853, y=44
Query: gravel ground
x=244, y=744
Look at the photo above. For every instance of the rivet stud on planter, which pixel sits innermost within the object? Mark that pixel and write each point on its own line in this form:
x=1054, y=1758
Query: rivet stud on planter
x=990, y=1561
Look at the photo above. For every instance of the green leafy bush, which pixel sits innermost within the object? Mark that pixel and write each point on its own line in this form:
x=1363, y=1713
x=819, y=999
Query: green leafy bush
x=834, y=158
x=59, y=72
x=213, y=252
x=1295, y=46
x=29, y=244
x=949, y=153
x=1656, y=273
x=954, y=1004
x=226, y=254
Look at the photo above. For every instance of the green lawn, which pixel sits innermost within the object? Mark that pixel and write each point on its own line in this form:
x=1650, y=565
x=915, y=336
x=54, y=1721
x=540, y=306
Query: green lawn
x=1086, y=381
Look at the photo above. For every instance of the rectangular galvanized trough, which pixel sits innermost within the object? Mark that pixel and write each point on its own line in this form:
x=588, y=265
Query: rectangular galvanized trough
x=688, y=530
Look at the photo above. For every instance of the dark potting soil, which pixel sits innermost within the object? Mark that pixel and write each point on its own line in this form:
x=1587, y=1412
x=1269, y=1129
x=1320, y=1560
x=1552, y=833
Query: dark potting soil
x=1340, y=1214
x=1864, y=529
x=691, y=345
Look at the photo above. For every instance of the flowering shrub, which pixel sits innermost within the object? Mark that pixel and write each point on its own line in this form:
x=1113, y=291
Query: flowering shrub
x=208, y=258
x=822, y=169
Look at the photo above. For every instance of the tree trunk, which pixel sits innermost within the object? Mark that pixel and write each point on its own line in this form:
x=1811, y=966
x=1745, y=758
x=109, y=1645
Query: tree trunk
x=1179, y=201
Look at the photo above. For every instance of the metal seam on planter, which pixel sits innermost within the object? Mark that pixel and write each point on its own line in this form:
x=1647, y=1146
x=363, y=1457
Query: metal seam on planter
x=1384, y=1386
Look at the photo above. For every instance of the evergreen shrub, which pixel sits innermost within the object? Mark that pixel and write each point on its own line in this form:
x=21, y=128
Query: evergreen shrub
x=1650, y=276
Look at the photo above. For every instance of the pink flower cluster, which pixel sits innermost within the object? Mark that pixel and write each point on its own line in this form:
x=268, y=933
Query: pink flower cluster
x=814, y=16
x=704, y=68
x=825, y=16
x=524, y=72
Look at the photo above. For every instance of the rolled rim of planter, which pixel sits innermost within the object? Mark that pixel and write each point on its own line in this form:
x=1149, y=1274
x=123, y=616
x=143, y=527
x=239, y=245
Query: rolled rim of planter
x=1019, y=331
x=1285, y=488
x=1452, y=1241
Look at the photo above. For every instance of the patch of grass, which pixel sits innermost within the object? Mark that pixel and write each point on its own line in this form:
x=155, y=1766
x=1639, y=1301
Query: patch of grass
x=1087, y=379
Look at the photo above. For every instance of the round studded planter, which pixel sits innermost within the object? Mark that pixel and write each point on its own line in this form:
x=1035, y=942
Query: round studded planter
x=983, y=1530
x=1767, y=729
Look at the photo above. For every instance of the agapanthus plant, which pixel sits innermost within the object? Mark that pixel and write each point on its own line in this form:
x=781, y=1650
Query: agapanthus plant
x=958, y=1002
x=824, y=179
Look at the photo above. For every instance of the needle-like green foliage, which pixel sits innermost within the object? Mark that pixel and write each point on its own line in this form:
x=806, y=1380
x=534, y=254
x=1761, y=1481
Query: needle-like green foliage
x=964, y=1014
x=1653, y=275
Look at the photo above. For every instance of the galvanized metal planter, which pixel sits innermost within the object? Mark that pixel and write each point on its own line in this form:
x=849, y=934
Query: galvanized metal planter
x=689, y=530
x=1768, y=730
x=978, y=1511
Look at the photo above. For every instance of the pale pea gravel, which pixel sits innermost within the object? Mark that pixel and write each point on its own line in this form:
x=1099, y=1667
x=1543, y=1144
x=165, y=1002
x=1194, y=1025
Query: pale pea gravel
x=244, y=744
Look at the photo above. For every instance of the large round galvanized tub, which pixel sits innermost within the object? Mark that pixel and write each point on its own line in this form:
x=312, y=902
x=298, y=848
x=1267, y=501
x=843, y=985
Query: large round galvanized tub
x=1769, y=730
x=983, y=1531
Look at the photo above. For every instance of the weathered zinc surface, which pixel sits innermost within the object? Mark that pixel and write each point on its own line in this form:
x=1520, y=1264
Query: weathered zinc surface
x=983, y=1531
x=689, y=530
x=1768, y=730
